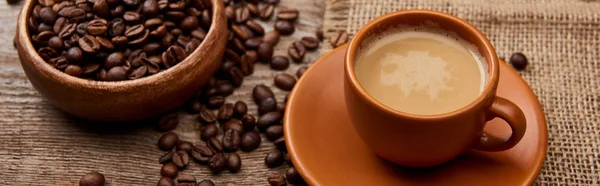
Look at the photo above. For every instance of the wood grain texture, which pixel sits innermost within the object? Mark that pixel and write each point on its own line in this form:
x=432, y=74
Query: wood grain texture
x=41, y=145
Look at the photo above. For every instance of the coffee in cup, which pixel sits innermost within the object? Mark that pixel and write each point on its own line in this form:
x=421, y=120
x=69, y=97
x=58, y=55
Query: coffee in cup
x=421, y=70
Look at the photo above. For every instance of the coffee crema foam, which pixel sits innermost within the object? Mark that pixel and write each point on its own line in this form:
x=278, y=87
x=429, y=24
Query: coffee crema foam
x=421, y=70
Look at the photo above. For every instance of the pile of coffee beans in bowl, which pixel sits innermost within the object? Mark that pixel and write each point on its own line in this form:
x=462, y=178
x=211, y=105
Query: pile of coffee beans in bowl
x=115, y=40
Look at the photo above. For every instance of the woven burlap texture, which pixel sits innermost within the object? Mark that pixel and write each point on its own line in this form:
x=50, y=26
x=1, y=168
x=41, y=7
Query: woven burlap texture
x=561, y=40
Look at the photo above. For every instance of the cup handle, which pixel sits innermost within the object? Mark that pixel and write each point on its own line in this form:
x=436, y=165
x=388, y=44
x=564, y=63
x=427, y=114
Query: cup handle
x=512, y=114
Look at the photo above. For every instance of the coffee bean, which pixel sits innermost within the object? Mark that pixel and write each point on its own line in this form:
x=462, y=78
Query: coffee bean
x=225, y=89
x=173, y=55
x=273, y=2
x=233, y=124
x=246, y=65
x=167, y=141
x=118, y=11
x=97, y=27
x=120, y=41
x=215, y=144
x=252, y=56
x=518, y=61
x=265, y=52
x=202, y=153
x=167, y=157
x=184, y=146
x=114, y=59
x=240, y=109
x=255, y=27
x=186, y=180
x=234, y=162
x=165, y=181
x=168, y=122
x=181, y=159
x=268, y=119
x=169, y=170
x=310, y=43
x=338, y=39
x=198, y=33
x=252, y=8
x=208, y=132
x=287, y=14
x=68, y=30
x=55, y=43
x=91, y=69
x=116, y=74
x=89, y=44
x=132, y=3
x=92, y=179
x=152, y=64
x=279, y=63
x=272, y=37
x=216, y=164
x=284, y=27
x=132, y=17
x=189, y=23
x=231, y=140
x=74, y=70
x=253, y=43
x=236, y=76
x=105, y=44
x=206, y=183
x=225, y=112
x=250, y=140
x=242, y=14
x=230, y=13
x=280, y=143
x=267, y=105
x=151, y=48
x=206, y=19
x=150, y=8
x=239, y=32
x=261, y=92
x=284, y=81
x=319, y=33
x=276, y=179
x=47, y=53
x=274, y=159
x=297, y=51
x=265, y=11
x=47, y=15
x=301, y=71
x=215, y=102
x=280, y=107
x=274, y=132
x=293, y=176
x=248, y=122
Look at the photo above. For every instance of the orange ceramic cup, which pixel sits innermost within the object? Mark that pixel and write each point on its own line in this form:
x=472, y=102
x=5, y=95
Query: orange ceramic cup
x=427, y=140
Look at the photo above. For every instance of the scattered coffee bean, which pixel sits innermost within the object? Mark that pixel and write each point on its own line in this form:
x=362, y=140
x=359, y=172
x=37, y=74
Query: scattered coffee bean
x=202, y=153
x=276, y=179
x=284, y=27
x=167, y=141
x=297, y=51
x=181, y=159
x=301, y=71
x=319, y=34
x=92, y=179
x=169, y=170
x=225, y=112
x=167, y=157
x=284, y=81
x=261, y=92
x=209, y=131
x=184, y=146
x=280, y=107
x=338, y=39
x=216, y=164
x=518, y=61
x=280, y=63
x=253, y=43
x=165, y=181
x=265, y=11
x=267, y=105
x=280, y=143
x=250, y=141
x=234, y=162
x=240, y=109
x=248, y=122
x=206, y=183
x=293, y=176
x=235, y=125
x=225, y=89
x=265, y=52
x=274, y=158
x=215, y=102
x=186, y=180
x=231, y=140
x=168, y=122
x=272, y=37
x=215, y=145
x=288, y=14
x=193, y=106
x=274, y=132
x=207, y=116
x=310, y=43
x=255, y=27
x=268, y=119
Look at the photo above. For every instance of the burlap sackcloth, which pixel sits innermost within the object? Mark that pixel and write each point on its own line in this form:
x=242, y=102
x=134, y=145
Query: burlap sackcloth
x=561, y=40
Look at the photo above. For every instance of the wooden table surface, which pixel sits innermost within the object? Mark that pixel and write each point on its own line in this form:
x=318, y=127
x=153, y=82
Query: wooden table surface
x=41, y=145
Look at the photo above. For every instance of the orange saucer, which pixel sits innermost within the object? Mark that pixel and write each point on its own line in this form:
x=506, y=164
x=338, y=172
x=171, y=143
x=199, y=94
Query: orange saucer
x=326, y=150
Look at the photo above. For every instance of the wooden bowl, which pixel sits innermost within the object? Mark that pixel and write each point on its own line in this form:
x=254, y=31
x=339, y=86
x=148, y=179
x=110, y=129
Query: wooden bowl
x=124, y=100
